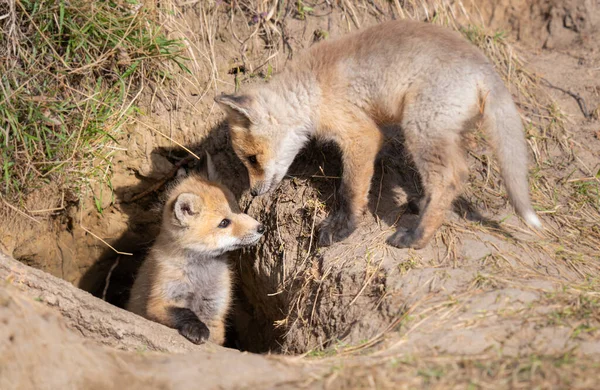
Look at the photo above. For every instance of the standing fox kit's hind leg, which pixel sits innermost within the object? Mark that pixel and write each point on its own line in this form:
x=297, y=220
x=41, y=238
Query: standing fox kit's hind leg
x=443, y=171
x=433, y=128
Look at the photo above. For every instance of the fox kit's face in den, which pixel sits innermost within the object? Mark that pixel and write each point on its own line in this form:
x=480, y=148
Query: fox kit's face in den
x=259, y=124
x=204, y=217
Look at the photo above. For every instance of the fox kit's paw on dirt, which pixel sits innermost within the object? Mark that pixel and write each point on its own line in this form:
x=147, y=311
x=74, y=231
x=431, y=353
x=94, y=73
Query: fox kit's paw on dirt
x=189, y=325
x=335, y=228
x=407, y=238
x=196, y=332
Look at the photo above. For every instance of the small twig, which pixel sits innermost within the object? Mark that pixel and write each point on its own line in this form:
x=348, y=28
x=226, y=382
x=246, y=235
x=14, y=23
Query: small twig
x=106, y=243
x=352, y=14
x=312, y=228
x=374, y=5
x=582, y=179
x=107, y=283
x=167, y=137
x=156, y=186
x=380, y=186
x=20, y=212
x=399, y=9
x=50, y=210
x=367, y=282
x=576, y=96
x=319, y=176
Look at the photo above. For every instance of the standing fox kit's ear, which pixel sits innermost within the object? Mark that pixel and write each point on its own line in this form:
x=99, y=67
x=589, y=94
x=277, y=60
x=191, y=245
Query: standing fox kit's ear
x=186, y=206
x=208, y=169
x=238, y=108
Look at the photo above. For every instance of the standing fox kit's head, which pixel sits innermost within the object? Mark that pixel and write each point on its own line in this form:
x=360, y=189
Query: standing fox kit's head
x=266, y=134
x=203, y=216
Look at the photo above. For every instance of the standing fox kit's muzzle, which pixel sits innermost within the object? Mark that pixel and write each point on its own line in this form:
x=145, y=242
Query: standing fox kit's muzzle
x=256, y=189
x=259, y=189
x=262, y=187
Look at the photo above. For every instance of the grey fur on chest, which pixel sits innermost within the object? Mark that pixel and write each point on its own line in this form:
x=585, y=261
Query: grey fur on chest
x=205, y=288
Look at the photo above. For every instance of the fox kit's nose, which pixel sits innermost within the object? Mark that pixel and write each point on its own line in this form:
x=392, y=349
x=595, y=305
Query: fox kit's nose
x=261, y=228
x=253, y=192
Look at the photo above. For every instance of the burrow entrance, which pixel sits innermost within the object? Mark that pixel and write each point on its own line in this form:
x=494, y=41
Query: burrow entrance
x=290, y=295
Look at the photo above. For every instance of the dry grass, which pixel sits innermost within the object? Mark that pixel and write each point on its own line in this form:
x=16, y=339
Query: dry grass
x=564, y=370
x=371, y=364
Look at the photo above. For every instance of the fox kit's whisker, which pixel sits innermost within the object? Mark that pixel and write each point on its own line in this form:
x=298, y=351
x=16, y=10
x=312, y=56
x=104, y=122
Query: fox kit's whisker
x=425, y=79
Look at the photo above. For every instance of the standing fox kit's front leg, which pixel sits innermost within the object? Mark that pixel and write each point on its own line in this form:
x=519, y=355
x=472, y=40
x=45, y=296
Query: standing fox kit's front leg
x=359, y=145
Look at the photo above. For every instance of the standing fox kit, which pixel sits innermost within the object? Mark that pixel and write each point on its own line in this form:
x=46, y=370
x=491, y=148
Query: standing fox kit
x=428, y=80
x=185, y=282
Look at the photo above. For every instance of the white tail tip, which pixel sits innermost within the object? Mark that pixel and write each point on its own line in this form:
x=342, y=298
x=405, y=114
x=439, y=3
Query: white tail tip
x=533, y=220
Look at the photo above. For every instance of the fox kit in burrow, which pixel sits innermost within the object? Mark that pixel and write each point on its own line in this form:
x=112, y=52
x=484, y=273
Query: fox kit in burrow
x=428, y=80
x=185, y=282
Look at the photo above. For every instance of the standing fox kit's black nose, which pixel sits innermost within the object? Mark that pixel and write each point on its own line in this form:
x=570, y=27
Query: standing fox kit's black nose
x=261, y=228
x=253, y=192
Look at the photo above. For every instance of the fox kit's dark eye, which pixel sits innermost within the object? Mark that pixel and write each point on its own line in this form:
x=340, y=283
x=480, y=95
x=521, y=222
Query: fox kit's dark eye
x=252, y=160
x=224, y=223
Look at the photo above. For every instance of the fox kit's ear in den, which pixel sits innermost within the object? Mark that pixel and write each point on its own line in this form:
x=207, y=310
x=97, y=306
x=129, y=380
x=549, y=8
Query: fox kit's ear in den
x=185, y=282
x=424, y=79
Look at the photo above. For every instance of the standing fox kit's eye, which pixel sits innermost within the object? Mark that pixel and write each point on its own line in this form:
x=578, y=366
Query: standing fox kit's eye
x=253, y=160
x=224, y=223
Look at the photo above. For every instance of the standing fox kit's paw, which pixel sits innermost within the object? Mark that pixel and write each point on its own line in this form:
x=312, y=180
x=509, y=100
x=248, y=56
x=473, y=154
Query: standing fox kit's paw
x=197, y=332
x=407, y=238
x=335, y=228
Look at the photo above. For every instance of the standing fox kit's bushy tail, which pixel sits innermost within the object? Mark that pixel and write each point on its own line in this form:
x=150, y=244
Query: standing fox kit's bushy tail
x=503, y=123
x=426, y=79
x=185, y=282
